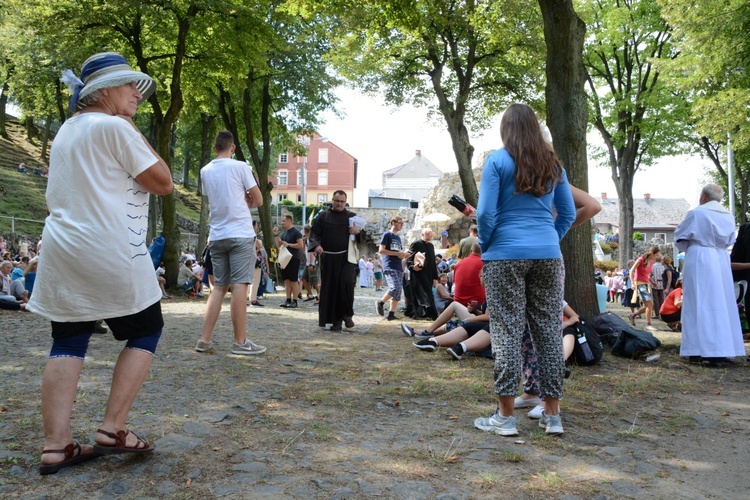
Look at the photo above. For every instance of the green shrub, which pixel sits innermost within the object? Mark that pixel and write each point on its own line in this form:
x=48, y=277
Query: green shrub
x=606, y=248
x=638, y=236
x=606, y=265
x=613, y=245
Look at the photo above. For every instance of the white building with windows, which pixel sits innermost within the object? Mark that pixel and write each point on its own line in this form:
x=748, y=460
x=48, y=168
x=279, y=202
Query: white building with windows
x=410, y=181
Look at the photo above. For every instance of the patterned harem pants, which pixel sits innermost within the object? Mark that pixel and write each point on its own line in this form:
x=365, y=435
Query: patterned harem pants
x=519, y=291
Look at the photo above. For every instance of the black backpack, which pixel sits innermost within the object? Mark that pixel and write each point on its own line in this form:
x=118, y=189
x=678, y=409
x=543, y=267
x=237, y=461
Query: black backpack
x=588, y=348
x=633, y=342
x=675, y=275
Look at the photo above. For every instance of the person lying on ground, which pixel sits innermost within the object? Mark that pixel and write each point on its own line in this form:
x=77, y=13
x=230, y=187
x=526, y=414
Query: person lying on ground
x=471, y=336
x=445, y=323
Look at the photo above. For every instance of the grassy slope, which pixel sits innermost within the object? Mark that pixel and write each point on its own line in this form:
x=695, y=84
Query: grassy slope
x=22, y=195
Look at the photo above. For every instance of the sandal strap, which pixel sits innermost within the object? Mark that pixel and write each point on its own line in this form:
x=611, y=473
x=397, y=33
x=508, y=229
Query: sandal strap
x=119, y=436
x=68, y=451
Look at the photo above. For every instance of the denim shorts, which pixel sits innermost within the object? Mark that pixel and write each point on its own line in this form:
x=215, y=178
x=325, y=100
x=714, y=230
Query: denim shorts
x=233, y=260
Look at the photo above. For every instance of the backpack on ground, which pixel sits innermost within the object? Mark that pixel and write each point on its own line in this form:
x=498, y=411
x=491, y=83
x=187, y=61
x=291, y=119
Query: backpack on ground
x=675, y=276
x=609, y=326
x=633, y=342
x=588, y=348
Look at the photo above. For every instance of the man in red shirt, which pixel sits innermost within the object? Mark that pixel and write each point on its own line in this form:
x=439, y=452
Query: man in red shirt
x=467, y=282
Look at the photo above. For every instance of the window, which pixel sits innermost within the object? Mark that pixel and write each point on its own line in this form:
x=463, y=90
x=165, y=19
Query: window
x=282, y=197
x=322, y=198
x=323, y=155
x=283, y=157
x=322, y=177
x=282, y=177
x=299, y=198
x=661, y=236
x=299, y=177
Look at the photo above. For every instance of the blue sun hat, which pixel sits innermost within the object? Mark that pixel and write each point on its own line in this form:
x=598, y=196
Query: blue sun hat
x=103, y=71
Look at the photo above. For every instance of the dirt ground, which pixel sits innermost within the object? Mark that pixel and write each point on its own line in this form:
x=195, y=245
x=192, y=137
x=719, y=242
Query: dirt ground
x=365, y=414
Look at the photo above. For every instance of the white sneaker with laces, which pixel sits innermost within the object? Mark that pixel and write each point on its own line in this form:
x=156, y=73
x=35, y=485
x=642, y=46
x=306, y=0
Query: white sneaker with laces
x=248, y=348
x=537, y=411
x=526, y=403
x=204, y=346
x=552, y=424
x=505, y=426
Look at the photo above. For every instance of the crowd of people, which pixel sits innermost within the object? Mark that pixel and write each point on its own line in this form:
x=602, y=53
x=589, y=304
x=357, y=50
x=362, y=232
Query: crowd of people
x=503, y=294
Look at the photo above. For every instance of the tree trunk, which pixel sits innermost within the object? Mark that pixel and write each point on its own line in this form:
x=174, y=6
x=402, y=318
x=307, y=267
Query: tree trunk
x=45, y=138
x=624, y=186
x=206, y=127
x=186, y=172
x=3, y=104
x=30, y=129
x=567, y=118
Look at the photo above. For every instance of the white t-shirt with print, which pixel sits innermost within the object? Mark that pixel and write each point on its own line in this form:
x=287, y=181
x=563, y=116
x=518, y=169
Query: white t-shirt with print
x=224, y=181
x=96, y=263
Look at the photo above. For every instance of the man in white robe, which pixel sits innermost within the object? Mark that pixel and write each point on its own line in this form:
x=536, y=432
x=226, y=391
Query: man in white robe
x=710, y=320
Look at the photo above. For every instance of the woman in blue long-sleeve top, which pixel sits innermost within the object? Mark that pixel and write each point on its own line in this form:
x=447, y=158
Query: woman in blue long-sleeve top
x=523, y=269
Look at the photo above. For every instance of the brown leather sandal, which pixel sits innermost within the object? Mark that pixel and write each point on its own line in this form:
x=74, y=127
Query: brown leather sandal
x=73, y=455
x=142, y=446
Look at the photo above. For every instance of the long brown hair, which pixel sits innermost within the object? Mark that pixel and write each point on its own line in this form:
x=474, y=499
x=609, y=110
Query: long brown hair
x=650, y=253
x=537, y=166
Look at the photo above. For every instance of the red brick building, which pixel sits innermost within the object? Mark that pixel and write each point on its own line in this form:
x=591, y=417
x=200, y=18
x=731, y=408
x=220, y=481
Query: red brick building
x=329, y=168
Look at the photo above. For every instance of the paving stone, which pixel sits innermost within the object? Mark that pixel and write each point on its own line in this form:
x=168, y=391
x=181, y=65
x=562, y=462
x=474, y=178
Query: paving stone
x=454, y=494
x=197, y=429
x=222, y=490
x=160, y=470
x=368, y=489
x=705, y=421
x=167, y=488
x=177, y=443
x=268, y=490
x=614, y=451
x=412, y=490
x=344, y=493
x=552, y=458
x=628, y=489
x=323, y=484
x=117, y=488
x=194, y=474
x=644, y=468
x=83, y=478
x=250, y=467
x=17, y=471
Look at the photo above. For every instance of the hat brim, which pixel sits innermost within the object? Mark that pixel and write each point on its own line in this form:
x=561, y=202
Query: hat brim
x=145, y=84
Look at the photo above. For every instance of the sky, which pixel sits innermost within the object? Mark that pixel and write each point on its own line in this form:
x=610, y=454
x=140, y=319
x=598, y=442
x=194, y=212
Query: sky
x=382, y=137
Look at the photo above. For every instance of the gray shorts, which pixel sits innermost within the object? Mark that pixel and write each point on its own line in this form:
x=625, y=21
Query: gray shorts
x=233, y=260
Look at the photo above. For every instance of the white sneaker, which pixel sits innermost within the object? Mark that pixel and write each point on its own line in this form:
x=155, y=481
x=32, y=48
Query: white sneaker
x=537, y=411
x=248, y=348
x=505, y=426
x=552, y=424
x=204, y=346
x=526, y=403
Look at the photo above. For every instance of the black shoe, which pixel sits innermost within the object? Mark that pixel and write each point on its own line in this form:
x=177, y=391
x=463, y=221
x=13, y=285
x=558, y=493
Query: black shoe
x=348, y=322
x=285, y=304
x=456, y=351
x=391, y=317
x=408, y=331
x=425, y=345
x=293, y=305
x=336, y=327
x=567, y=373
x=308, y=299
x=379, y=307
x=256, y=304
x=299, y=296
x=99, y=328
